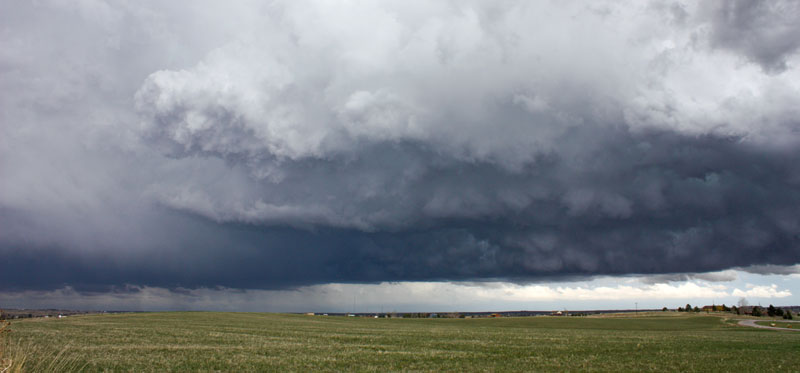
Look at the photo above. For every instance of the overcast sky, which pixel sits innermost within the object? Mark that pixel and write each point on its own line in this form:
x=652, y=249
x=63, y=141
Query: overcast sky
x=287, y=155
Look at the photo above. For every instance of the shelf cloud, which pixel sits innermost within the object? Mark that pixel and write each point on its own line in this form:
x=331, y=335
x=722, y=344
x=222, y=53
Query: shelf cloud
x=271, y=145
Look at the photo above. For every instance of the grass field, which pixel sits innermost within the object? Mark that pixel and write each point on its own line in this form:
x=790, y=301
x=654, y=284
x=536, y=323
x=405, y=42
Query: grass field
x=207, y=341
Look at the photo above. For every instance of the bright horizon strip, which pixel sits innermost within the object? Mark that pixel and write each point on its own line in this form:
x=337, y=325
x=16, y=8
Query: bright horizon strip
x=596, y=294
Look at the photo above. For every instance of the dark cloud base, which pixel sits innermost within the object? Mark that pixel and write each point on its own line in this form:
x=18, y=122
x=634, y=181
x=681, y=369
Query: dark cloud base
x=650, y=202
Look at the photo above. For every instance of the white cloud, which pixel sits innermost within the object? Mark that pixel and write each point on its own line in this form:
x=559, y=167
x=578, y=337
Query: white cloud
x=762, y=291
x=616, y=292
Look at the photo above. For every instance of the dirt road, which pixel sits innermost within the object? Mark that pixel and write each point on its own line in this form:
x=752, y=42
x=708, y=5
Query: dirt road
x=753, y=324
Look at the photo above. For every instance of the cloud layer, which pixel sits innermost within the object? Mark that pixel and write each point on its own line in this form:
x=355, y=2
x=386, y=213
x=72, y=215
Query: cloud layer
x=599, y=293
x=294, y=143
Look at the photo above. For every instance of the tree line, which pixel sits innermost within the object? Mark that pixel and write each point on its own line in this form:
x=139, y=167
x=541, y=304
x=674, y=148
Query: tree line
x=770, y=311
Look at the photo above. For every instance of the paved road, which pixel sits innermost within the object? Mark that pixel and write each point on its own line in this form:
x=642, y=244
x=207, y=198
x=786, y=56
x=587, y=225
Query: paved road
x=753, y=324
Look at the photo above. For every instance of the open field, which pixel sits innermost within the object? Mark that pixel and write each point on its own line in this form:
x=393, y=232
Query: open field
x=256, y=342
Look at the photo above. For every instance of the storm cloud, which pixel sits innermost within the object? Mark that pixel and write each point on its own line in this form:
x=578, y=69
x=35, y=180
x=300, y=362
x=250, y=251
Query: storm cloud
x=282, y=144
x=765, y=32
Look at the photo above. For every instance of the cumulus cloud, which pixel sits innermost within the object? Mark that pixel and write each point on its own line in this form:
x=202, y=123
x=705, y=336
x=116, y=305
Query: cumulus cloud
x=372, y=115
x=757, y=291
x=297, y=143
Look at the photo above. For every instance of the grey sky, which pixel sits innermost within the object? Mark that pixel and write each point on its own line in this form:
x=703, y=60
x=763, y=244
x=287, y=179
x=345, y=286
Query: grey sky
x=269, y=145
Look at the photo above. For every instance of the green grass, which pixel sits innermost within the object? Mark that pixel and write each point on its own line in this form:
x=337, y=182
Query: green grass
x=205, y=341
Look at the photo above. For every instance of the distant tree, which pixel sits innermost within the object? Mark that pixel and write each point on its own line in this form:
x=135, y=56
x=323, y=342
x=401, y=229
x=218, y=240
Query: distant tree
x=771, y=311
x=779, y=312
x=735, y=310
x=756, y=311
x=787, y=315
x=743, y=302
x=680, y=309
x=664, y=309
x=688, y=307
x=725, y=308
x=696, y=309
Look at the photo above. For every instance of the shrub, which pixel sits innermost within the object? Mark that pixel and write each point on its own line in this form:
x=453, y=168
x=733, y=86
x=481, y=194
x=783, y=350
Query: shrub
x=6, y=360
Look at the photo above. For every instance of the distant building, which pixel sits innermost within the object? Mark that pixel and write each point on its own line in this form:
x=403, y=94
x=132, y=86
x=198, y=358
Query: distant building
x=713, y=308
